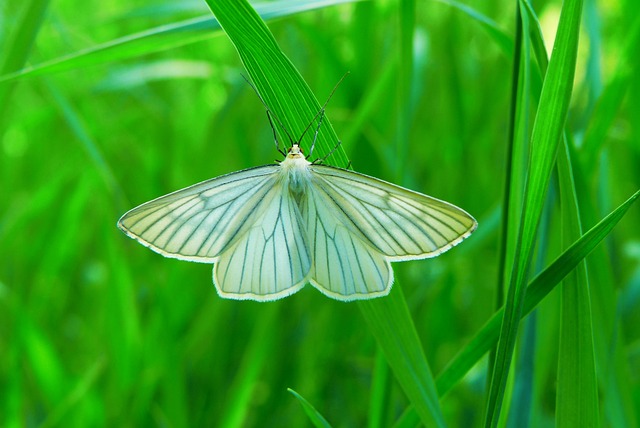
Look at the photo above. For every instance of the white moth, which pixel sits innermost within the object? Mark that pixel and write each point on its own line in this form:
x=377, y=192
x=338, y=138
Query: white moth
x=272, y=229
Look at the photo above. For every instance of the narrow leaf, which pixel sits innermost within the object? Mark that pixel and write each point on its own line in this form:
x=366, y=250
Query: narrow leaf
x=577, y=396
x=315, y=417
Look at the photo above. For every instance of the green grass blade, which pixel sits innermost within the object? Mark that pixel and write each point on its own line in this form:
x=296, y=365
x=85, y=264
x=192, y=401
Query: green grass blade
x=290, y=99
x=547, y=130
x=379, y=392
x=315, y=417
x=577, y=396
x=391, y=324
x=158, y=39
x=538, y=289
x=517, y=146
x=17, y=46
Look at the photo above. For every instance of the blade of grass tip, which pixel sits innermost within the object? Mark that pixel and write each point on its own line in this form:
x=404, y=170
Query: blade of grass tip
x=538, y=289
x=157, y=39
x=288, y=96
x=314, y=416
x=577, y=390
x=547, y=130
x=535, y=37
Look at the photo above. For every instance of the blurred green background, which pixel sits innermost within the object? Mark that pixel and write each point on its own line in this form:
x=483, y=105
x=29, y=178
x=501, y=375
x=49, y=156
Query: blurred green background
x=96, y=330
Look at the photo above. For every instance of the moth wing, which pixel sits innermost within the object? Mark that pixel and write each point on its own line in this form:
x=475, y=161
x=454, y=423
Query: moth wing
x=397, y=222
x=200, y=222
x=245, y=222
x=345, y=267
x=271, y=259
x=358, y=224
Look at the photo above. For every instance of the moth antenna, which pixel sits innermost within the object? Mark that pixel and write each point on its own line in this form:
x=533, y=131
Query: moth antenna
x=321, y=160
x=321, y=111
x=315, y=136
x=275, y=134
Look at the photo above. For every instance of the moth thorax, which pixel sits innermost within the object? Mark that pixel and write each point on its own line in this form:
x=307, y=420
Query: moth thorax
x=298, y=177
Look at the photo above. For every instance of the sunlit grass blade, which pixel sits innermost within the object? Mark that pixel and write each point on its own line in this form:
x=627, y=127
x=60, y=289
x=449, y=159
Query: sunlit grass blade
x=158, y=39
x=315, y=417
x=547, y=130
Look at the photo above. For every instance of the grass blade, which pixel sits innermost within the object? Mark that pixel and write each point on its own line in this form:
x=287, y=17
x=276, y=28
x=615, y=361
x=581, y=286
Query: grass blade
x=314, y=416
x=17, y=47
x=577, y=397
x=547, y=130
x=391, y=324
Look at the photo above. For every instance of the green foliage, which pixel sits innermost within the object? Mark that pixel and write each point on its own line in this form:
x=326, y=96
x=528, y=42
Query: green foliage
x=107, y=105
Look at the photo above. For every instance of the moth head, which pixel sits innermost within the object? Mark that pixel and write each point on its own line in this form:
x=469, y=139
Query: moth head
x=295, y=152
